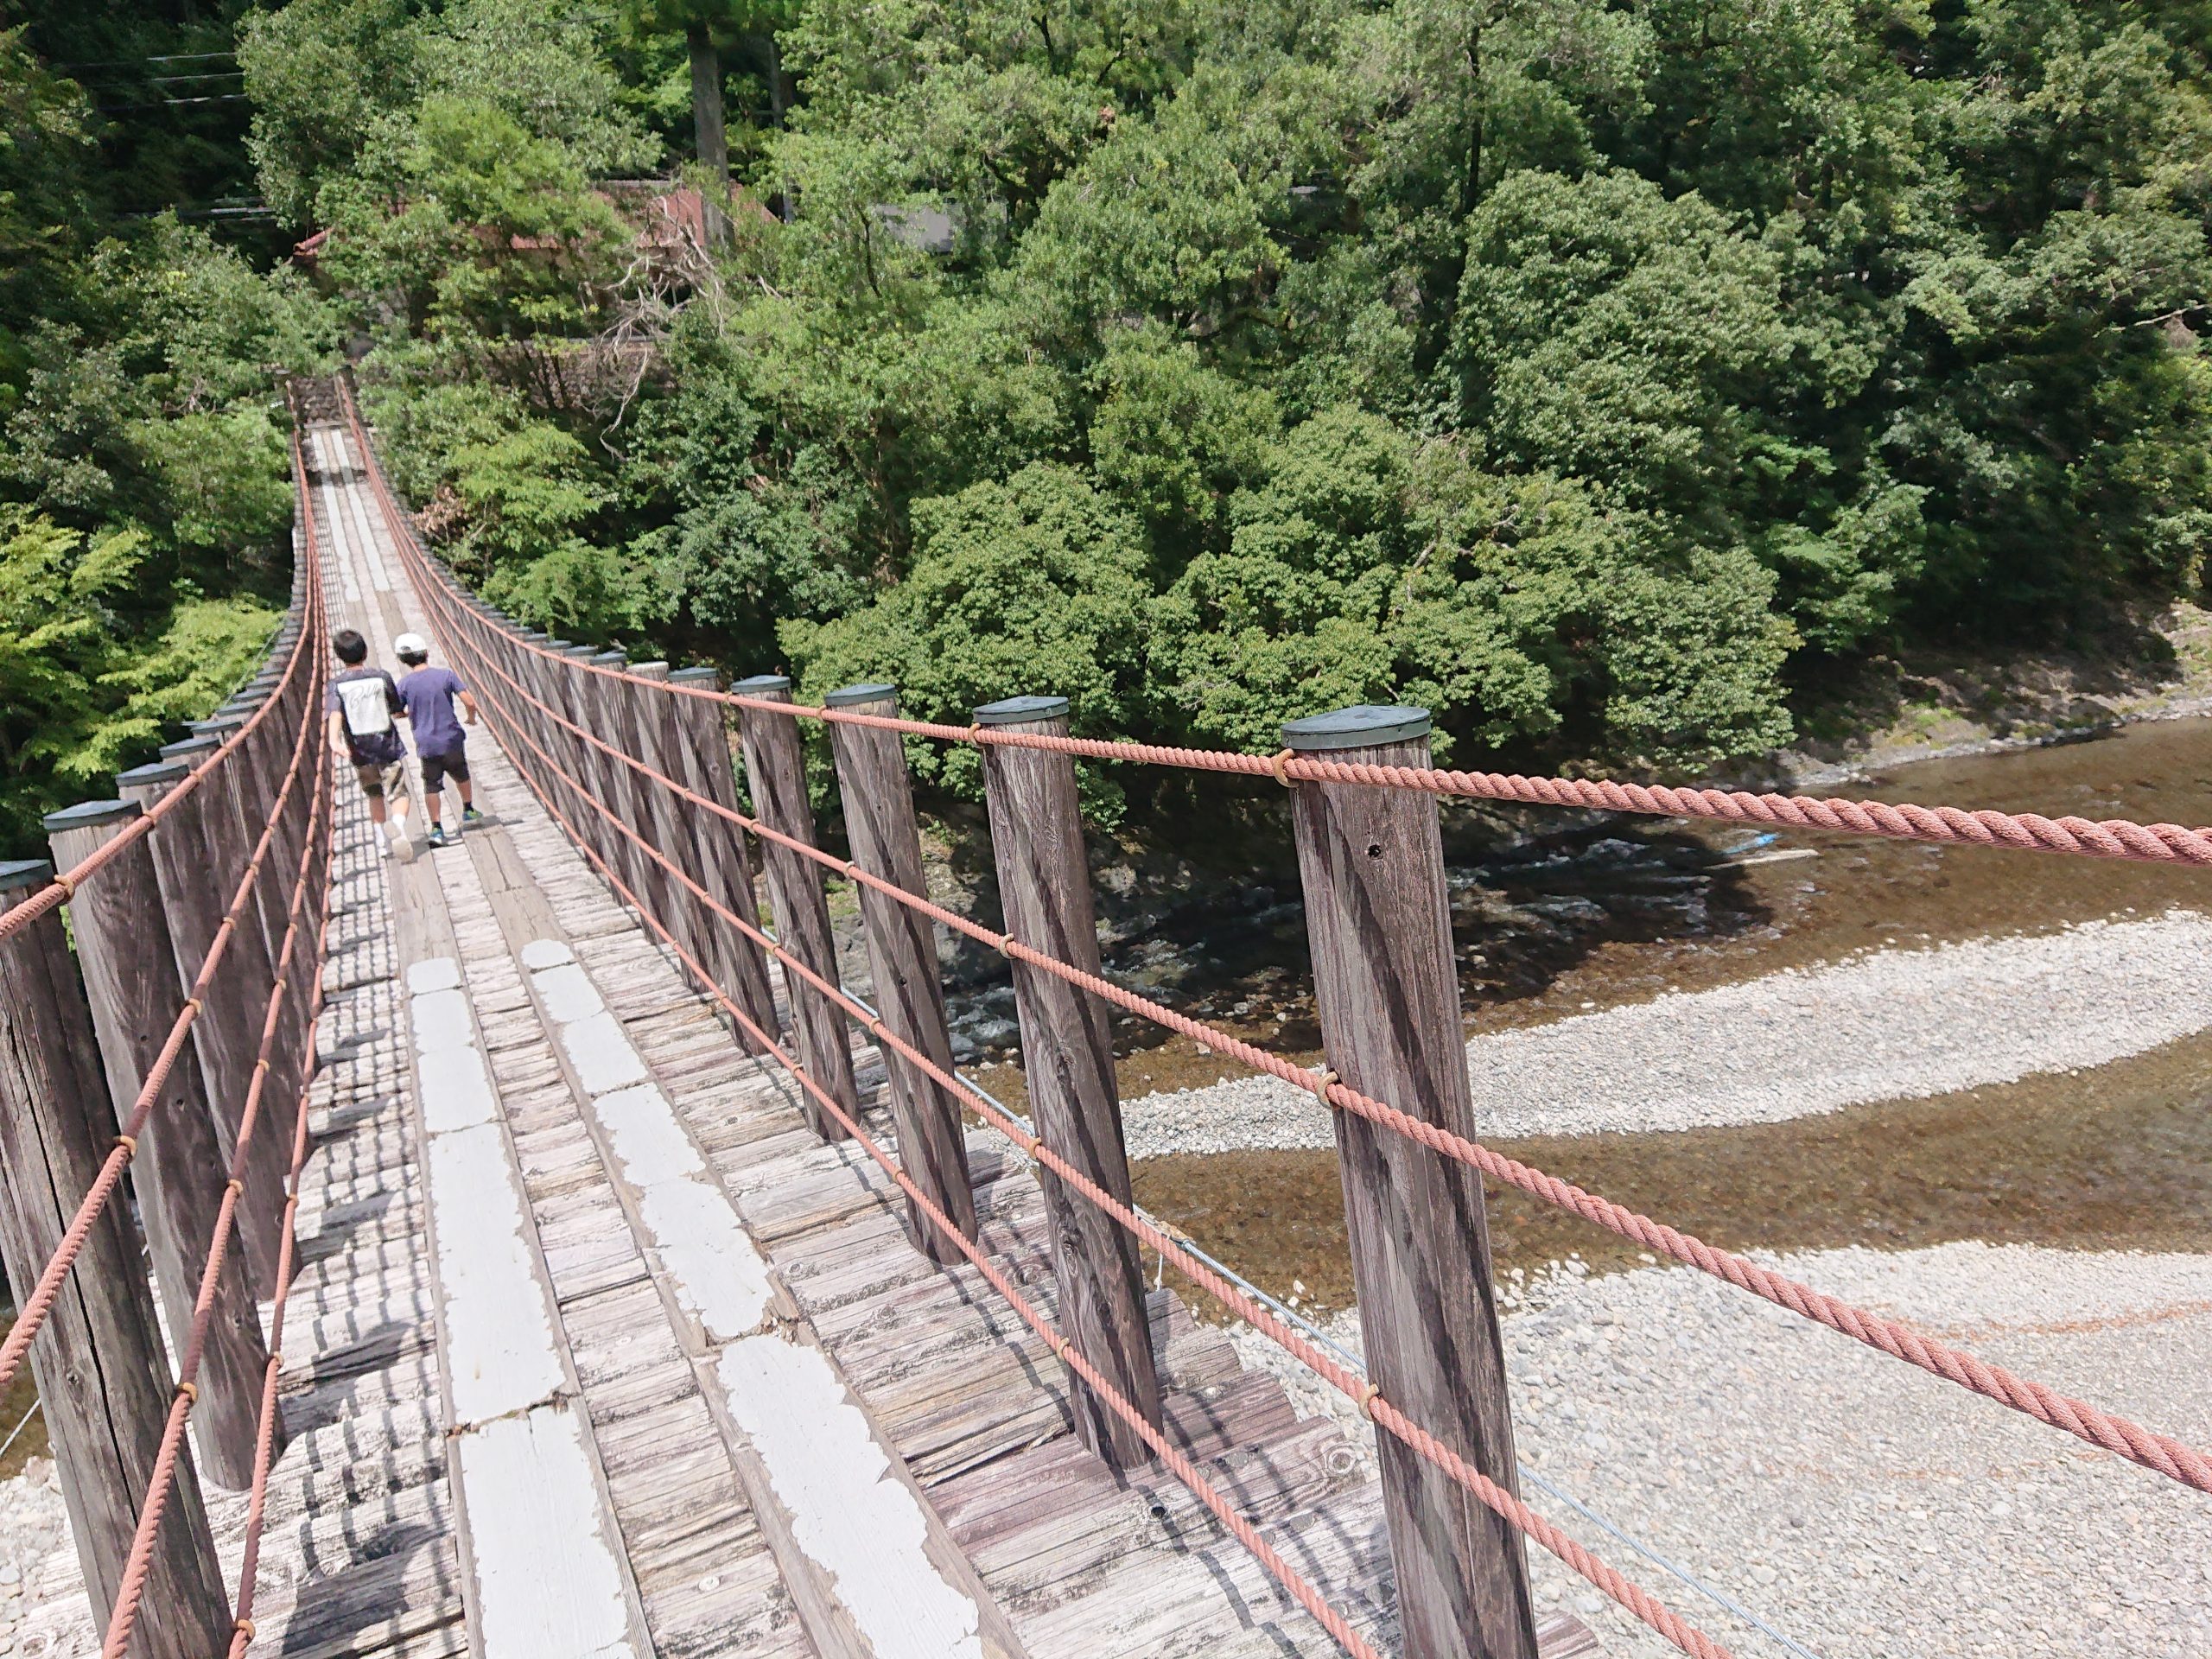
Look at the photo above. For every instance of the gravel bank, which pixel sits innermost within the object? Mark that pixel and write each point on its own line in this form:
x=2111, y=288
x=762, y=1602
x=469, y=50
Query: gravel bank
x=1859, y=1506
x=33, y=1534
x=1892, y=1025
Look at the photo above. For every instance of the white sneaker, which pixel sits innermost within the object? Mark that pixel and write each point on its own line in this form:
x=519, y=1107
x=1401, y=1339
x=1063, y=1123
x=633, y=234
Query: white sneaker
x=383, y=848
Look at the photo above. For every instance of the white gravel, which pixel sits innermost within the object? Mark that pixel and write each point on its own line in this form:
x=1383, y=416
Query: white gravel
x=1864, y=1508
x=34, y=1542
x=1888, y=1025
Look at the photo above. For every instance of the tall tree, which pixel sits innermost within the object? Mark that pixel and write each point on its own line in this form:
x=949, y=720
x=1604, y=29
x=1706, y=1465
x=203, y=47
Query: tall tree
x=711, y=28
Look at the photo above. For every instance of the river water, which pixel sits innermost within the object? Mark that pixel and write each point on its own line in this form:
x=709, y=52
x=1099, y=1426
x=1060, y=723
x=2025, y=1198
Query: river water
x=1600, y=915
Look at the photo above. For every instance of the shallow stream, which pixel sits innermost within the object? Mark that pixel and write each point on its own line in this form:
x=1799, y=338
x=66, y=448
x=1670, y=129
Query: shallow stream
x=2119, y=1156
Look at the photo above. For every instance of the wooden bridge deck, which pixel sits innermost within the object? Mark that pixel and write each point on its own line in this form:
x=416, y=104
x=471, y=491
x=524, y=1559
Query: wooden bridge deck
x=598, y=1350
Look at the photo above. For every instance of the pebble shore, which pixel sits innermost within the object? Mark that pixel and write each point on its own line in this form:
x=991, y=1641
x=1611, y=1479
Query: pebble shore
x=33, y=1533
x=1861, y=1507
x=1892, y=1025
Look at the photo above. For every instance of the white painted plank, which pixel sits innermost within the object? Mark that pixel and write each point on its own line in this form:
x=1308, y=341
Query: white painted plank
x=718, y=1274
x=602, y=1052
x=548, y=1585
x=500, y=1346
x=863, y=1526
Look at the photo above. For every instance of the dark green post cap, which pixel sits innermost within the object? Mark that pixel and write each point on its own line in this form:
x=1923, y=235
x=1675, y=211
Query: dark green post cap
x=1014, y=711
x=16, y=874
x=1363, y=726
x=90, y=815
x=845, y=696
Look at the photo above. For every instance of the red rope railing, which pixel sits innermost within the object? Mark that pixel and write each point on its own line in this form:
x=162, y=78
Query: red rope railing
x=2169, y=1457
x=2110, y=839
x=1638, y=1602
x=39, y=1302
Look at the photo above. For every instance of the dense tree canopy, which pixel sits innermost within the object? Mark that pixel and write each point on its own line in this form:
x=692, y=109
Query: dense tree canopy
x=1599, y=373
x=145, y=503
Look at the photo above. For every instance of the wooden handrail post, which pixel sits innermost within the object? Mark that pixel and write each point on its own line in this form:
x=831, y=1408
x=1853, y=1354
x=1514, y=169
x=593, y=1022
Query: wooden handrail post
x=660, y=815
x=122, y=947
x=583, y=761
x=887, y=842
x=102, y=1375
x=696, y=744
x=1067, y=1056
x=1376, y=911
x=776, y=770
x=197, y=872
x=610, y=779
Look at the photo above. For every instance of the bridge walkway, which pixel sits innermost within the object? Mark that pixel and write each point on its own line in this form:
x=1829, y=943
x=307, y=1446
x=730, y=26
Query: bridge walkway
x=659, y=1170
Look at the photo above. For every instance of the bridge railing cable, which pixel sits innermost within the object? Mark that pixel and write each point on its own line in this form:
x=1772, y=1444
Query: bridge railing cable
x=513, y=737
x=574, y=765
x=2169, y=1457
x=250, y=820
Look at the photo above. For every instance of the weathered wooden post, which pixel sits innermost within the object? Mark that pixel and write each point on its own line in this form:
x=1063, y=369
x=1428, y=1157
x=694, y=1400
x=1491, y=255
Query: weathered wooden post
x=1376, y=911
x=776, y=772
x=585, y=764
x=122, y=947
x=197, y=877
x=101, y=1373
x=672, y=826
x=696, y=743
x=1068, y=1061
x=887, y=842
x=619, y=786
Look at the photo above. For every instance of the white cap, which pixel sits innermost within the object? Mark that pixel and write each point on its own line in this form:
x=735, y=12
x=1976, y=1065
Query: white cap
x=411, y=644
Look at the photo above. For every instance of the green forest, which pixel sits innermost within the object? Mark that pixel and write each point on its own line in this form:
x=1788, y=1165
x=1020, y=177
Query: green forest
x=1609, y=376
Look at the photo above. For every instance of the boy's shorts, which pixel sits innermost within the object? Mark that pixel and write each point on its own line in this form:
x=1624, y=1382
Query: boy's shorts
x=436, y=768
x=379, y=778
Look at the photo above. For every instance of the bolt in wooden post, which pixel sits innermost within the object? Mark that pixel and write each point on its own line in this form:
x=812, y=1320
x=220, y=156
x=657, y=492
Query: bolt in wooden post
x=1372, y=863
x=189, y=871
x=122, y=947
x=776, y=772
x=101, y=1373
x=693, y=745
x=887, y=842
x=1068, y=1060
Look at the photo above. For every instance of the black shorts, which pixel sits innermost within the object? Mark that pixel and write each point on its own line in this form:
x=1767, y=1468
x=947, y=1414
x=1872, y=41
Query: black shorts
x=436, y=768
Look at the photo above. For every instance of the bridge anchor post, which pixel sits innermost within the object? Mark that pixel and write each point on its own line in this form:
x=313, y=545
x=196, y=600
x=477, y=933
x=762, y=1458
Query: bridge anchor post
x=1068, y=1059
x=879, y=799
x=775, y=769
x=102, y=1376
x=1372, y=863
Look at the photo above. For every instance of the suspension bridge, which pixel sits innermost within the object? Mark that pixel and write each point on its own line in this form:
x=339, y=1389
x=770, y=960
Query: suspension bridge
x=538, y=1249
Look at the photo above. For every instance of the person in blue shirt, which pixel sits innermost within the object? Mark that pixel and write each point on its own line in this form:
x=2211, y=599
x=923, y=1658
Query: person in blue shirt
x=438, y=706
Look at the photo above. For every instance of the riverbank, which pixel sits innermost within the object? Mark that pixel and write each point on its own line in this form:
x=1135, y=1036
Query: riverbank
x=1863, y=1507
x=1890, y=1025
